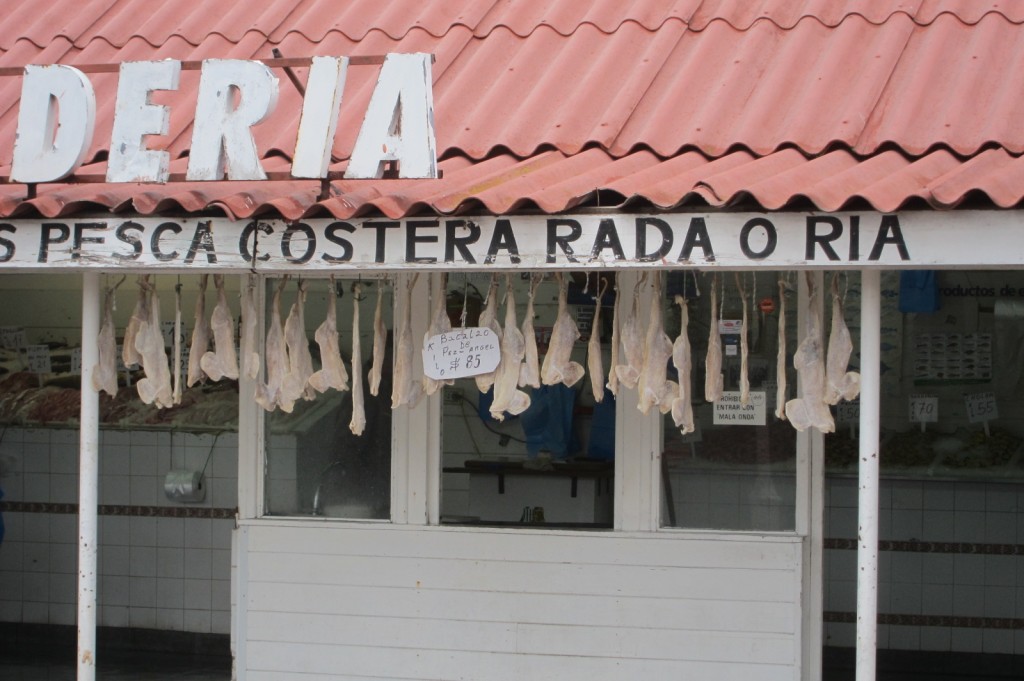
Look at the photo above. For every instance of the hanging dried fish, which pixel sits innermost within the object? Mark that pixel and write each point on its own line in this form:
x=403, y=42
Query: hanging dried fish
x=295, y=383
x=268, y=394
x=155, y=388
x=780, y=362
x=810, y=410
x=489, y=319
x=250, y=319
x=358, y=422
x=632, y=339
x=841, y=384
x=558, y=366
x=176, y=360
x=682, y=406
x=380, y=336
x=222, y=362
x=507, y=397
x=654, y=389
x=200, y=337
x=129, y=355
x=714, y=383
x=332, y=372
x=104, y=375
x=595, y=362
x=405, y=388
x=439, y=323
x=613, y=377
x=529, y=370
x=744, y=345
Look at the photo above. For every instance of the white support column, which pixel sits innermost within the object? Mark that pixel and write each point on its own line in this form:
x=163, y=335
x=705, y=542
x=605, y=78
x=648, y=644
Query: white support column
x=867, y=502
x=88, y=488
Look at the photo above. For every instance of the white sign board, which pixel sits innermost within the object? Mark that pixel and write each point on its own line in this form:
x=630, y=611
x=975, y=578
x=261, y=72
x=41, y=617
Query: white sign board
x=489, y=243
x=37, y=357
x=461, y=353
x=729, y=411
x=924, y=409
x=12, y=337
x=981, y=407
x=848, y=411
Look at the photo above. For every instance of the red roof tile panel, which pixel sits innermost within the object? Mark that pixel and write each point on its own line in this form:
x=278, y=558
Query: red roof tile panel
x=551, y=104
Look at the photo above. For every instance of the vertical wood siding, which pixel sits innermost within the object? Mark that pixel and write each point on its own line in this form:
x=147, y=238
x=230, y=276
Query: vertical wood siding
x=379, y=602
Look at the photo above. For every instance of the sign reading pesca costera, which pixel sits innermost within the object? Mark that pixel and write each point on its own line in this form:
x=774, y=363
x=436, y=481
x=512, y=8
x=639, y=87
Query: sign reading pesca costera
x=57, y=115
x=572, y=241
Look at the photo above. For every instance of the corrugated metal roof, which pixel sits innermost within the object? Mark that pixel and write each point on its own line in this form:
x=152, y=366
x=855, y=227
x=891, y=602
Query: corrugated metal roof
x=553, y=104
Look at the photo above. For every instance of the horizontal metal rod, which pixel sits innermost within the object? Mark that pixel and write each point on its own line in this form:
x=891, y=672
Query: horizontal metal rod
x=275, y=176
x=194, y=65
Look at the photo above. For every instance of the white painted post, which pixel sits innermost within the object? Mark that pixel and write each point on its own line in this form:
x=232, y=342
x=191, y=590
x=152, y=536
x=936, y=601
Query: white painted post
x=88, y=471
x=867, y=502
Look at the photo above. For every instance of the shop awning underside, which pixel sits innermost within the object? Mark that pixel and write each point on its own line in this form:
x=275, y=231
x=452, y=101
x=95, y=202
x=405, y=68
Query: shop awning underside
x=554, y=106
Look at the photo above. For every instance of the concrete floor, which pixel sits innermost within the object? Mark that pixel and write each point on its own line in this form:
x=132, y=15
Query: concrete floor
x=118, y=667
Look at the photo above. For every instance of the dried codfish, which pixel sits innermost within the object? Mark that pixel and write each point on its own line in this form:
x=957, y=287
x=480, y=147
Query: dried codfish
x=714, y=383
x=529, y=370
x=250, y=319
x=155, y=388
x=358, y=423
x=268, y=393
x=613, y=377
x=507, y=396
x=595, y=362
x=653, y=388
x=744, y=345
x=780, y=362
x=558, y=366
x=405, y=389
x=682, y=406
x=439, y=323
x=332, y=372
x=295, y=383
x=632, y=339
x=104, y=375
x=200, y=336
x=489, y=319
x=129, y=355
x=222, y=362
x=810, y=410
x=841, y=384
x=380, y=336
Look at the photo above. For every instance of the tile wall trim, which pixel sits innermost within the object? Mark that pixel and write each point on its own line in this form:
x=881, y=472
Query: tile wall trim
x=932, y=547
x=113, y=509
x=958, y=621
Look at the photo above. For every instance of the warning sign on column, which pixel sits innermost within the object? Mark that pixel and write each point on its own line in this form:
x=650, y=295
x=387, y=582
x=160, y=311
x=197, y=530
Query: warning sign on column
x=729, y=411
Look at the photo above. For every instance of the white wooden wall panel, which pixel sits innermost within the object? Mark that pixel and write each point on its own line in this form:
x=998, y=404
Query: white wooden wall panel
x=342, y=600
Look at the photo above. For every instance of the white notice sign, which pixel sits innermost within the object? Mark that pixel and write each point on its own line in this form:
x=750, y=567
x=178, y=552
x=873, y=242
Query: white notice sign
x=981, y=407
x=924, y=409
x=729, y=411
x=38, y=359
x=460, y=353
x=12, y=337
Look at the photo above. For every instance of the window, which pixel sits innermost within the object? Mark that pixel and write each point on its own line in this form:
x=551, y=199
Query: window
x=316, y=464
x=735, y=470
x=552, y=464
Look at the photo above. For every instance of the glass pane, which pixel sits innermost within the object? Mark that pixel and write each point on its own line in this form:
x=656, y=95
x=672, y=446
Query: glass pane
x=315, y=463
x=551, y=465
x=736, y=469
x=952, y=371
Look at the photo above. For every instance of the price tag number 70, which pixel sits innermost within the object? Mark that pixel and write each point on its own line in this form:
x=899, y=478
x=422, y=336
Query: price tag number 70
x=924, y=409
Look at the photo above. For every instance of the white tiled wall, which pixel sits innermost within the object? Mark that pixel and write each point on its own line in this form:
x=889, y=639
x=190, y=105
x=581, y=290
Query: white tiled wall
x=154, y=572
x=950, y=584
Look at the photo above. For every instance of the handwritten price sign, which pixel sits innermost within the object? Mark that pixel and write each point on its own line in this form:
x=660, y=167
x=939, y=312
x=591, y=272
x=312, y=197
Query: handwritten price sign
x=981, y=407
x=12, y=337
x=38, y=359
x=924, y=409
x=461, y=353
